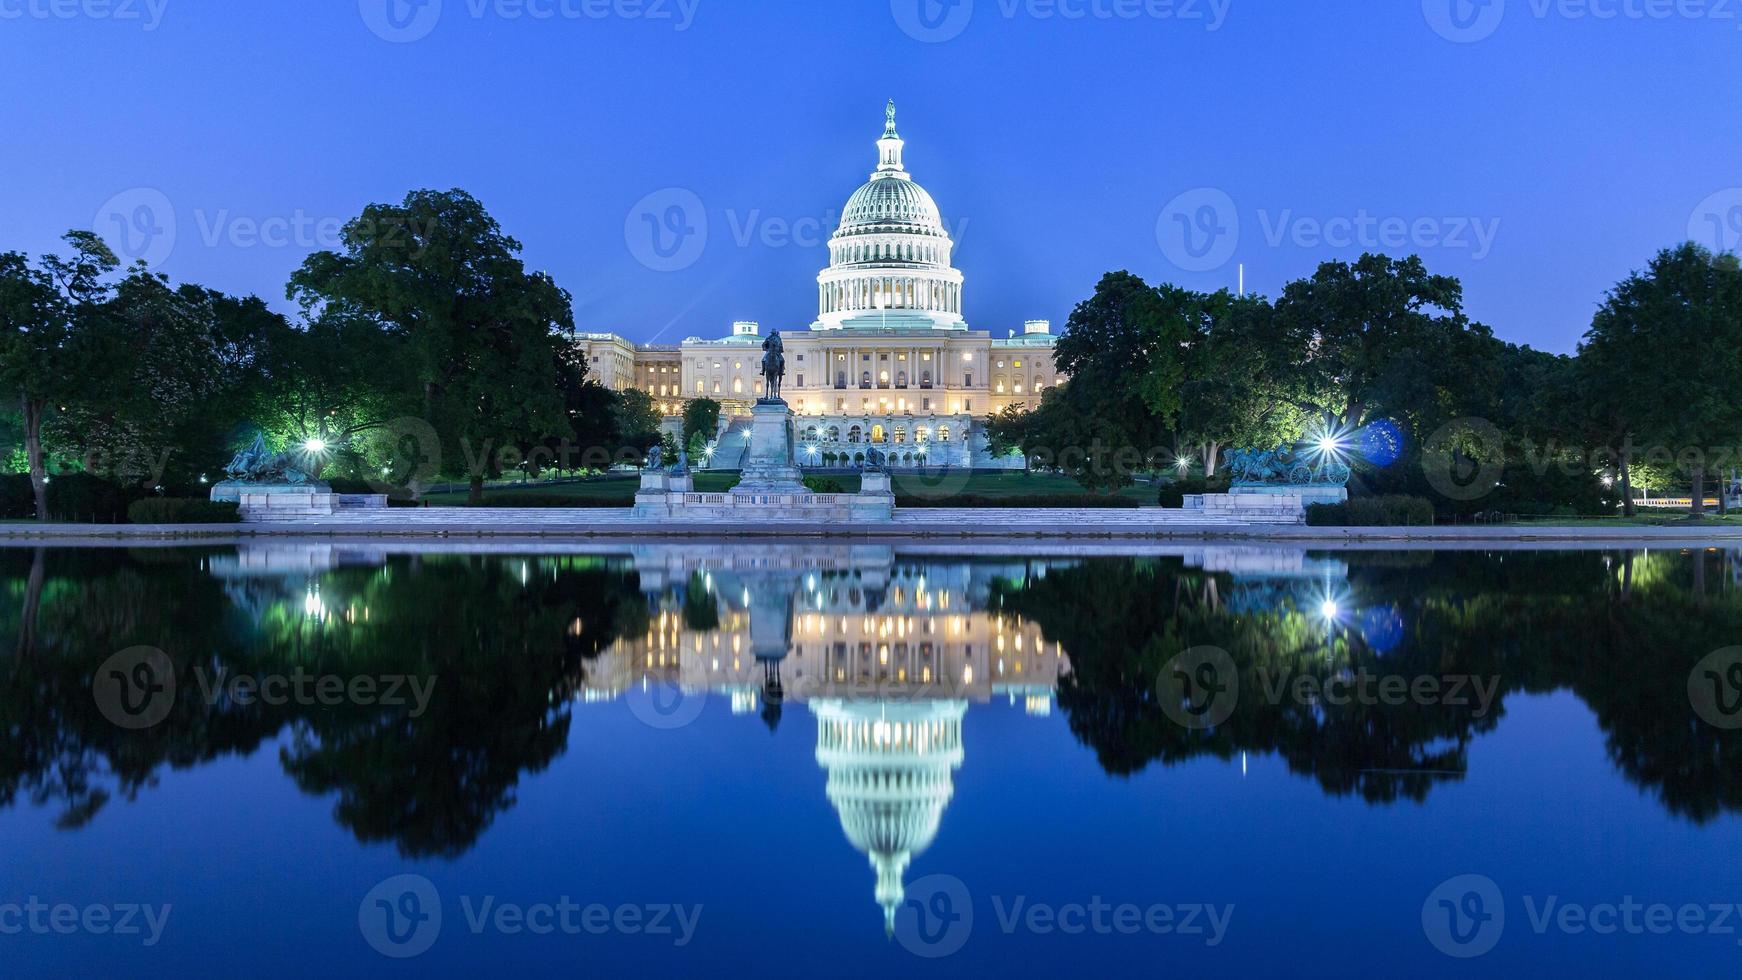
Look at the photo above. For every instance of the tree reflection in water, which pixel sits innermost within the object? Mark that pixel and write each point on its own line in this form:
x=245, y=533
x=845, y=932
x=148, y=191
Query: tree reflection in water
x=1623, y=631
x=513, y=642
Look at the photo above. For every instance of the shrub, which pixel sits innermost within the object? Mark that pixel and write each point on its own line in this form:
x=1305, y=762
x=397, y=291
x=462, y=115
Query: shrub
x=823, y=484
x=350, y=487
x=83, y=497
x=17, y=500
x=534, y=501
x=183, y=510
x=1174, y=494
x=1390, y=511
x=1059, y=501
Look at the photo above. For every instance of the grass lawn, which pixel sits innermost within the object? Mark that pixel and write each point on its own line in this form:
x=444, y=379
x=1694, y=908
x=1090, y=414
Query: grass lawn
x=1651, y=518
x=624, y=487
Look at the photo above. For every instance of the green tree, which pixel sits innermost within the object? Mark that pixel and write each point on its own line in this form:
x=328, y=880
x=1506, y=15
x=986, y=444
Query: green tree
x=1227, y=395
x=480, y=331
x=42, y=309
x=1662, y=355
x=700, y=416
x=1381, y=337
x=638, y=421
x=1121, y=348
x=340, y=378
x=166, y=379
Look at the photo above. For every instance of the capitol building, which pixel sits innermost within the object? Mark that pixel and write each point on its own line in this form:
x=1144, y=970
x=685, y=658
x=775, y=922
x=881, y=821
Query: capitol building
x=890, y=360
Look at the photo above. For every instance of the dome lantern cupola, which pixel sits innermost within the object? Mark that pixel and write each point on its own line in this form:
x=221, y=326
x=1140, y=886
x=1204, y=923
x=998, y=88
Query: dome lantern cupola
x=889, y=149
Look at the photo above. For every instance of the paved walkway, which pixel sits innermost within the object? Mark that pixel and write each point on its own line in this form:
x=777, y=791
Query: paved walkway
x=910, y=524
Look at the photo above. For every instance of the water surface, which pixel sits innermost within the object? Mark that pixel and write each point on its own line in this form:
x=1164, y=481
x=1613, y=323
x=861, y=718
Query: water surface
x=820, y=760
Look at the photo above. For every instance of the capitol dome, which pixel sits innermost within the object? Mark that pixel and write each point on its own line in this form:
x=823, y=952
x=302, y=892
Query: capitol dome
x=890, y=768
x=891, y=206
x=889, y=260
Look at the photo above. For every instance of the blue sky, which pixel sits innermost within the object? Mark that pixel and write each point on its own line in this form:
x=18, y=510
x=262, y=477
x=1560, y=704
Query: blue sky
x=1539, y=150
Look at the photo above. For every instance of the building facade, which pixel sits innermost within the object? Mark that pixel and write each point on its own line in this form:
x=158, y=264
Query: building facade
x=890, y=360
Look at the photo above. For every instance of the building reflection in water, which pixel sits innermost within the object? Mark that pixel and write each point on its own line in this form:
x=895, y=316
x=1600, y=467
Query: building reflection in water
x=886, y=651
x=886, y=654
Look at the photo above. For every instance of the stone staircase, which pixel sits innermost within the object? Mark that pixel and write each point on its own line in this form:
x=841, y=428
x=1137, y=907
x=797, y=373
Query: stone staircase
x=731, y=448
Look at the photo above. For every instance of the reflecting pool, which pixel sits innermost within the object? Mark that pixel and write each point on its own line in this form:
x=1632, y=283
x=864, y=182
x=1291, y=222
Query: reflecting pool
x=800, y=760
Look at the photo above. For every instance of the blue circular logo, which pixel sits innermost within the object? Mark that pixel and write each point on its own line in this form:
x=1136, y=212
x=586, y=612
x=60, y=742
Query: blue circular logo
x=932, y=21
x=667, y=230
x=1199, y=230
x=1465, y=916
x=1464, y=21
x=401, y=917
x=401, y=21
x=935, y=918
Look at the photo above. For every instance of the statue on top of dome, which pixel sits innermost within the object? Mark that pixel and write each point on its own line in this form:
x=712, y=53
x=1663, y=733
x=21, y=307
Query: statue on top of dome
x=889, y=116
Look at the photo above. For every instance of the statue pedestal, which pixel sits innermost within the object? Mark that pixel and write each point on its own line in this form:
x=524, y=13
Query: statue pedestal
x=771, y=464
x=875, y=500
x=287, y=502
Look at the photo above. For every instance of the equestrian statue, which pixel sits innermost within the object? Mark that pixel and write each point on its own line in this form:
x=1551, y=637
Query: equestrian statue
x=773, y=366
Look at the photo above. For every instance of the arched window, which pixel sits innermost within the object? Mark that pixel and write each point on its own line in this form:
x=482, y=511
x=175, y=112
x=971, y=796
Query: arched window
x=900, y=436
x=901, y=379
x=834, y=433
x=998, y=384
x=865, y=380
x=923, y=435
x=810, y=434
x=943, y=433
x=855, y=434
x=878, y=435
x=925, y=378
x=737, y=386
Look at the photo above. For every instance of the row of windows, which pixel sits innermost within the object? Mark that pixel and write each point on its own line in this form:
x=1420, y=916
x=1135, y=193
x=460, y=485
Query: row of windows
x=890, y=252
x=878, y=434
